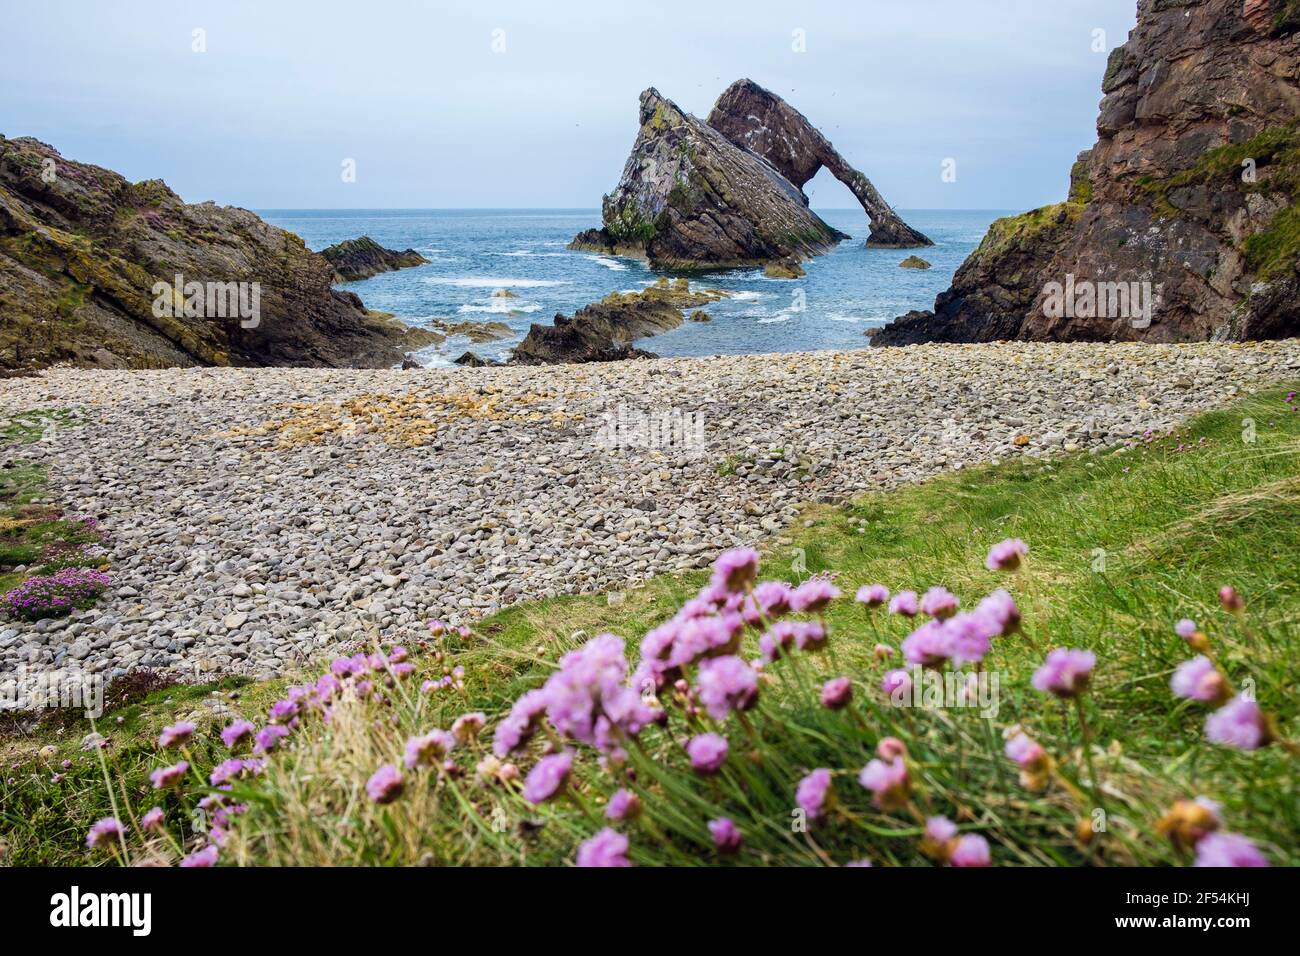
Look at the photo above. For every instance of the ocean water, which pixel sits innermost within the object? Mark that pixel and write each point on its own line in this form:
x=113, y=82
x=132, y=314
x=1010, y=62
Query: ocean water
x=472, y=253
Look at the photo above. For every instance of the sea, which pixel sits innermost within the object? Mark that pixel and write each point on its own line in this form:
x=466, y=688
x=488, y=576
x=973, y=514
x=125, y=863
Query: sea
x=475, y=252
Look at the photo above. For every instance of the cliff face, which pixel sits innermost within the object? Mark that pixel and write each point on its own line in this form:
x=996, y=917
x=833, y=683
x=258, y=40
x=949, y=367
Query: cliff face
x=1187, y=199
x=702, y=194
x=88, y=275
x=355, y=259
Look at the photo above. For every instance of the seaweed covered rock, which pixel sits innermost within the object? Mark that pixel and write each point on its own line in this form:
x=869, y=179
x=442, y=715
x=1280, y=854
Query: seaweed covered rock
x=355, y=259
x=605, y=330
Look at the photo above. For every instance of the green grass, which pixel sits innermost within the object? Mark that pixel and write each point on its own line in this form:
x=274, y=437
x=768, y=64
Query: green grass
x=33, y=534
x=1123, y=544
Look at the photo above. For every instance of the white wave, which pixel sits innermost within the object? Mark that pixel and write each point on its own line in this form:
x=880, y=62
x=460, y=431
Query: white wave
x=779, y=317
x=841, y=317
x=747, y=296
x=489, y=282
x=501, y=307
x=609, y=263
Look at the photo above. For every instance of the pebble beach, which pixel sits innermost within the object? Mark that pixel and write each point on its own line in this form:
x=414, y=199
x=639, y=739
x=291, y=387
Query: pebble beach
x=259, y=517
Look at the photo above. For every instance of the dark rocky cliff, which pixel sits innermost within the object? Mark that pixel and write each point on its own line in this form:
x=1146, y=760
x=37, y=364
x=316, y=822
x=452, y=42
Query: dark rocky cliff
x=83, y=251
x=1191, y=189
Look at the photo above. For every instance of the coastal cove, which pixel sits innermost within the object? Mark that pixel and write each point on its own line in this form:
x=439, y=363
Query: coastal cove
x=473, y=253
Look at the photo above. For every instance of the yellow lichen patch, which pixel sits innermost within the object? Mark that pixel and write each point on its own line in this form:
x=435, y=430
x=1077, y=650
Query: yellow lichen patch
x=408, y=420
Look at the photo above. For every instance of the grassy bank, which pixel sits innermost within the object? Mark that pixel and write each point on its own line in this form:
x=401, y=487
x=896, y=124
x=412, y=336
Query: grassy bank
x=1122, y=545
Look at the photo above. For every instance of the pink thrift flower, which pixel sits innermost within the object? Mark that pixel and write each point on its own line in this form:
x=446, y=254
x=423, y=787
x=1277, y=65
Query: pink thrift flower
x=606, y=848
x=882, y=652
x=836, y=693
x=235, y=732
x=201, y=859
x=547, y=777
x=385, y=784
x=269, y=737
x=1024, y=750
x=1239, y=723
x=891, y=748
x=773, y=597
x=930, y=645
x=940, y=829
x=813, y=595
x=970, y=850
x=872, y=595
x=1186, y=629
x=1065, y=673
x=104, y=832
x=164, y=778
x=1230, y=599
x=726, y=835
x=1006, y=555
x=735, y=570
x=1228, y=849
x=726, y=684
x=939, y=602
x=904, y=603
x=708, y=752
x=468, y=725
x=897, y=684
x=176, y=735
x=1199, y=679
x=153, y=820
x=888, y=783
x=623, y=805
x=812, y=792
x=999, y=608
x=428, y=749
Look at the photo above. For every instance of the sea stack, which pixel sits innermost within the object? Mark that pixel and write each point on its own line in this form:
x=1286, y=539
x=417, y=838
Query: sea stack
x=716, y=194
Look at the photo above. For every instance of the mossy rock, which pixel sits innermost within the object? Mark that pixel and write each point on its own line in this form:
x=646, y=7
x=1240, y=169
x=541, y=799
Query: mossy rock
x=914, y=262
x=786, y=269
x=699, y=315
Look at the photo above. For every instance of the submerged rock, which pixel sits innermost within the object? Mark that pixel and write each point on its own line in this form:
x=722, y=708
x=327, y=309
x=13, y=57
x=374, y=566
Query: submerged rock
x=914, y=262
x=604, y=331
x=355, y=259
x=101, y=272
x=708, y=194
x=789, y=269
x=471, y=360
x=1181, y=221
x=477, y=332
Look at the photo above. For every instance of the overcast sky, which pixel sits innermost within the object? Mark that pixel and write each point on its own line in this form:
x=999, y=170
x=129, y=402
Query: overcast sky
x=534, y=104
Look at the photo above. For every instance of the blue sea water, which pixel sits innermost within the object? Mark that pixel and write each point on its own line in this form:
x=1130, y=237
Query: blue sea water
x=475, y=252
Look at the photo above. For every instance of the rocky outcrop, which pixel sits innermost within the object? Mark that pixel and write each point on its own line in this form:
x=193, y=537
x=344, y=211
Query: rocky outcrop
x=355, y=259
x=1187, y=202
x=694, y=195
x=604, y=331
x=95, y=270
x=766, y=125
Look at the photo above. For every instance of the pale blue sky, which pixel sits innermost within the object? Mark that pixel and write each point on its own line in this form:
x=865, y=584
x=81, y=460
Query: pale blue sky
x=414, y=92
